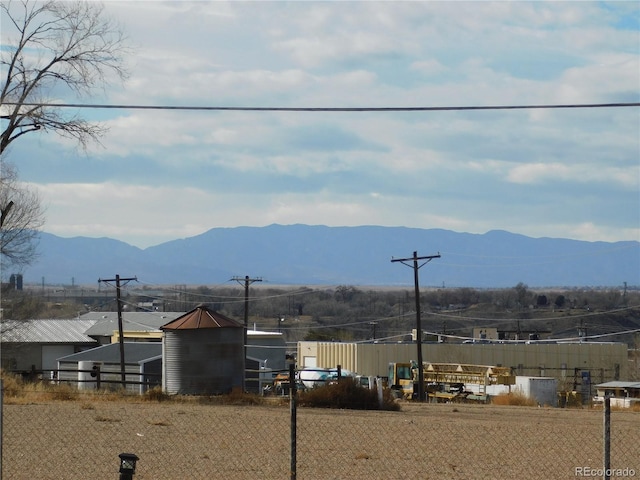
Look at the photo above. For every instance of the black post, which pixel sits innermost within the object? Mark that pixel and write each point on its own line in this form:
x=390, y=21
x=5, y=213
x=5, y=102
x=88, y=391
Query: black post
x=292, y=403
x=123, y=374
x=421, y=392
x=96, y=369
x=127, y=465
x=607, y=437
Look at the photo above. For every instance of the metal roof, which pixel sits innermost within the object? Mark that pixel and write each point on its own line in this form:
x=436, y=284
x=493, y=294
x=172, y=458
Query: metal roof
x=134, y=353
x=199, y=318
x=105, y=323
x=46, y=331
x=618, y=384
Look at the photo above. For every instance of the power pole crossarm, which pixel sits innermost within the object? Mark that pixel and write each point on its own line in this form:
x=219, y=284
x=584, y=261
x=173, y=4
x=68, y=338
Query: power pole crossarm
x=416, y=266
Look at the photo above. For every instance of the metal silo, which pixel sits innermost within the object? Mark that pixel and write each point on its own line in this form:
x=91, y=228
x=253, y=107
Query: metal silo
x=203, y=353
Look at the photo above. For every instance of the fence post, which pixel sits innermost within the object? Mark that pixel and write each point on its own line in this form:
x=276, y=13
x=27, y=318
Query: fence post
x=98, y=379
x=607, y=437
x=292, y=403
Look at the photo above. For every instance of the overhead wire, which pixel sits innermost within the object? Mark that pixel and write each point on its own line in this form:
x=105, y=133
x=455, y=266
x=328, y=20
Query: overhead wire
x=534, y=260
x=590, y=253
x=345, y=109
x=551, y=318
x=326, y=109
x=227, y=299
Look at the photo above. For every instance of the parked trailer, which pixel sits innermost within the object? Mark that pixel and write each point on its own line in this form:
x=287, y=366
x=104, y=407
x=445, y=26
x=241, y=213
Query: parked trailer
x=543, y=390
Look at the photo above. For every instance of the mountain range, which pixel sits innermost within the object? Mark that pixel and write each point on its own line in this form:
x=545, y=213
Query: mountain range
x=321, y=255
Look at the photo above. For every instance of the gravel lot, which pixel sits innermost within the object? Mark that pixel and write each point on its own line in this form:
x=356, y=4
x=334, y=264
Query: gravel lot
x=81, y=439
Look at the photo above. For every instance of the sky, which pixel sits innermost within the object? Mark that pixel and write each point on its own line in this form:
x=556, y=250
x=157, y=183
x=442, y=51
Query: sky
x=161, y=175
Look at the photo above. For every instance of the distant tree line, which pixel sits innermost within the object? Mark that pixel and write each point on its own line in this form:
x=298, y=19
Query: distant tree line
x=350, y=313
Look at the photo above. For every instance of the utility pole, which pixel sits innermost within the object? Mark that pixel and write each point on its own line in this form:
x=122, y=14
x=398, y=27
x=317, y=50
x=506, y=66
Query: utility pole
x=120, y=332
x=247, y=281
x=373, y=324
x=416, y=266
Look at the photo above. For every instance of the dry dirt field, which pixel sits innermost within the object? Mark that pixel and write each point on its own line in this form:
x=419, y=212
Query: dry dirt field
x=81, y=439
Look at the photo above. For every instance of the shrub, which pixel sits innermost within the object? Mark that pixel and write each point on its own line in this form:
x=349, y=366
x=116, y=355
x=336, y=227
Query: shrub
x=12, y=385
x=155, y=394
x=347, y=394
x=63, y=392
x=234, y=397
x=513, y=398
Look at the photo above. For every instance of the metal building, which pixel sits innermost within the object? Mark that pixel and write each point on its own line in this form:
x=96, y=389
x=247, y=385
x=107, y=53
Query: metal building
x=37, y=344
x=143, y=368
x=203, y=353
x=567, y=362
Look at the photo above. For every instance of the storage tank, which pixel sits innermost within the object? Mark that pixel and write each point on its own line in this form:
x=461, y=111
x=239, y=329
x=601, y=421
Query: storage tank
x=203, y=353
x=87, y=379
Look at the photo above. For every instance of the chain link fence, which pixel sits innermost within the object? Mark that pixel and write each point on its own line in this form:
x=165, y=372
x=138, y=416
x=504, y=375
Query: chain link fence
x=79, y=435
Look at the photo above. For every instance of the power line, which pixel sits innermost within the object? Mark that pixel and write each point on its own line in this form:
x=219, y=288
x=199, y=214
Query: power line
x=327, y=109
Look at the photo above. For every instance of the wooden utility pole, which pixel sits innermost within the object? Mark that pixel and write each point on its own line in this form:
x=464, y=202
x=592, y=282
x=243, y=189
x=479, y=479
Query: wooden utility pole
x=247, y=281
x=416, y=267
x=123, y=376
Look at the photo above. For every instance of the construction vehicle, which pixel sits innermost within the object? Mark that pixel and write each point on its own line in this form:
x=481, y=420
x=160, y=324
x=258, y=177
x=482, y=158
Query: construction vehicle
x=400, y=379
x=280, y=385
x=448, y=381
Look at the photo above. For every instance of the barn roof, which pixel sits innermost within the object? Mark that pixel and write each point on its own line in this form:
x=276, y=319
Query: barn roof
x=134, y=352
x=46, y=331
x=199, y=318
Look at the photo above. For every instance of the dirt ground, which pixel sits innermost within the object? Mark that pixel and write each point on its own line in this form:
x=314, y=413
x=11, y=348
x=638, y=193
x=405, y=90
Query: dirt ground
x=82, y=440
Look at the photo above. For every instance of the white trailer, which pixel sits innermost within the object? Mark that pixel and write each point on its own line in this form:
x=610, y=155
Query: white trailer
x=543, y=390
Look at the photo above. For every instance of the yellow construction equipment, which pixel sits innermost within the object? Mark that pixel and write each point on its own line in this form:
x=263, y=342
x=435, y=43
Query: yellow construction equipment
x=400, y=379
x=447, y=381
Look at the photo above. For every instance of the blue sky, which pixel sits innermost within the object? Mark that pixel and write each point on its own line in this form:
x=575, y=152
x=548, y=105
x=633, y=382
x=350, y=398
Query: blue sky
x=163, y=175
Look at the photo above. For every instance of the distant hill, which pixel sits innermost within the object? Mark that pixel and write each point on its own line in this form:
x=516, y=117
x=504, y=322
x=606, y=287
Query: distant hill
x=320, y=255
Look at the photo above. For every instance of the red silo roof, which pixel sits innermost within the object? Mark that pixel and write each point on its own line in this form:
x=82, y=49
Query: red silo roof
x=201, y=317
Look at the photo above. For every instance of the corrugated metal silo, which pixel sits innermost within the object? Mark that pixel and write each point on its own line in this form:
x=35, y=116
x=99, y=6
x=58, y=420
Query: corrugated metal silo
x=203, y=353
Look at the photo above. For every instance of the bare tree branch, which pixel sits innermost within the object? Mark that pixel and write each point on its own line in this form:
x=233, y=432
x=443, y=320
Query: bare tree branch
x=56, y=46
x=21, y=219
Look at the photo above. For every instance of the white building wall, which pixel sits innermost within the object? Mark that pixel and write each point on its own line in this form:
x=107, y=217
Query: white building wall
x=543, y=390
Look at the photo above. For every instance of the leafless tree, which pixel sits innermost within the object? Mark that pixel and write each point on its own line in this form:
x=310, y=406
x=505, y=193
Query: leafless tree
x=22, y=218
x=51, y=48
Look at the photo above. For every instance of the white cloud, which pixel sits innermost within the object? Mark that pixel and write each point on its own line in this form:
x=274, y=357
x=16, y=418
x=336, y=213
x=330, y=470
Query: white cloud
x=533, y=173
x=428, y=67
x=164, y=174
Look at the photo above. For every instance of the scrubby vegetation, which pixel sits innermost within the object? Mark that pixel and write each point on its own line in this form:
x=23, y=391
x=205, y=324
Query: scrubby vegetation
x=347, y=394
x=17, y=391
x=513, y=398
